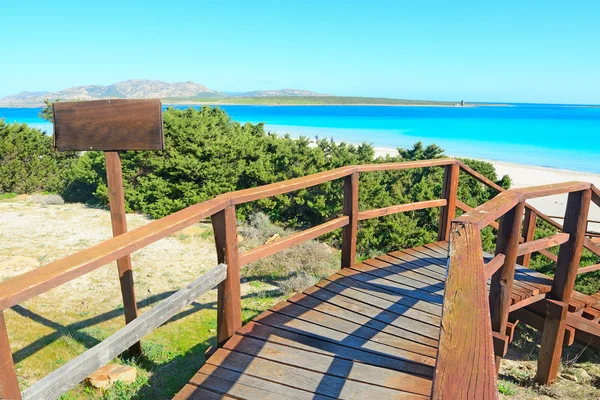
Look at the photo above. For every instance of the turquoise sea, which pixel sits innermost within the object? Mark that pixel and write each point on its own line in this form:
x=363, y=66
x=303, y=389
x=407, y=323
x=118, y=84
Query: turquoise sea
x=558, y=136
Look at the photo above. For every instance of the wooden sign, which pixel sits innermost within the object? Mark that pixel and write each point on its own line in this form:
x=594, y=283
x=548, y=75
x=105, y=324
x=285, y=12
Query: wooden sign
x=109, y=125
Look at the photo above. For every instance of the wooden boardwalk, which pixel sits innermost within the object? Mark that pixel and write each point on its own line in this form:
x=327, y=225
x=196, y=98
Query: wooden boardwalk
x=369, y=331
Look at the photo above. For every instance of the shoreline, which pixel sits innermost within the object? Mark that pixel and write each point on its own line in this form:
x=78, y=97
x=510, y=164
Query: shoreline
x=524, y=175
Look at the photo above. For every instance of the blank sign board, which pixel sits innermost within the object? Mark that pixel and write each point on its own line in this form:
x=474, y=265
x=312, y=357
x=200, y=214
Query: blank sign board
x=108, y=125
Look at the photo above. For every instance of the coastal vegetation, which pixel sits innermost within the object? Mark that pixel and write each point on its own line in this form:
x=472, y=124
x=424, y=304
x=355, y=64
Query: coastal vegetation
x=308, y=100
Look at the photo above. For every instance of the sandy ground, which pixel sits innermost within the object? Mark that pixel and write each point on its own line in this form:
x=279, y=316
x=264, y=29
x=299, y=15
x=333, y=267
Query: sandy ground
x=529, y=175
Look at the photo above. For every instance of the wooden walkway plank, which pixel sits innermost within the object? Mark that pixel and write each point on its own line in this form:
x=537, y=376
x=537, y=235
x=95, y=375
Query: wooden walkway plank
x=418, y=341
x=414, y=286
x=302, y=379
x=398, y=320
x=400, y=309
x=297, y=311
x=383, y=291
x=329, y=365
x=398, y=288
x=407, y=361
x=418, y=275
x=312, y=343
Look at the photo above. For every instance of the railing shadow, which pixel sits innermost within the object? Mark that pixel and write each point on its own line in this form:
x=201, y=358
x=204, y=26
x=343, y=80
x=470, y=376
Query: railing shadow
x=381, y=282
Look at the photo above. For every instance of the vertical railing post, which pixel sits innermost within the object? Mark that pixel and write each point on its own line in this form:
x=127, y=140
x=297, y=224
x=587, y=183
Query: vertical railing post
x=350, y=208
x=116, y=198
x=528, y=234
x=449, y=192
x=229, y=302
x=507, y=243
x=9, y=385
x=569, y=257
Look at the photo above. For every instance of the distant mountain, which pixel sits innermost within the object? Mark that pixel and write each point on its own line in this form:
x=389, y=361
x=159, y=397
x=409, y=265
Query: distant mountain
x=141, y=89
x=280, y=93
x=131, y=89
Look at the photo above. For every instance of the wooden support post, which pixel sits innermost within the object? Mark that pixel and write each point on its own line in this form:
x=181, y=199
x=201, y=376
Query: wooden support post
x=350, y=208
x=552, y=342
x=569, y=257
x=528, y=234
x=507, y=243
x=449, y=192
x=9, y=385
x=229, y=301
x=116, y=198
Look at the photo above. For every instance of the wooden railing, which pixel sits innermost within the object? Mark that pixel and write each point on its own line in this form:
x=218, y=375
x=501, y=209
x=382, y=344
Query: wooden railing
x=466, y=316
x=466, y=373
x=221, y=210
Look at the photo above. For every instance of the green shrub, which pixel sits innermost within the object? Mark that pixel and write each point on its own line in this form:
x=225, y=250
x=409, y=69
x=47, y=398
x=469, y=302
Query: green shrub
x=28, y=163
x=207, y=154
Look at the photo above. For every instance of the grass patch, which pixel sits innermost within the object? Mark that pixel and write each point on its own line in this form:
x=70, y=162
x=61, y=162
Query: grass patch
x=7, y=196
x=506, y=388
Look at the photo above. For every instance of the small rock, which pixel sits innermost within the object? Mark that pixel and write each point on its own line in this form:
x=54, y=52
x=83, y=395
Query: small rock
x=529, y=366
x=106, y=376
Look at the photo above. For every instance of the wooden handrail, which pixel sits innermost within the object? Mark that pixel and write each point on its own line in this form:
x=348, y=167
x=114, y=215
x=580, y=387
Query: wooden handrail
x=40, y=280
x=380, y=212
x=465, y=362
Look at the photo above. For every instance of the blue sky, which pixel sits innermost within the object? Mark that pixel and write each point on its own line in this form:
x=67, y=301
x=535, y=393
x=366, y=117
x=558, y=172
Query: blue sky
x=520, y=51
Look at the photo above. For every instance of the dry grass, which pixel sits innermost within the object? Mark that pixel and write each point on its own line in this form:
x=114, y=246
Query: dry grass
x=579, y=374
x=293, y=269
x=50, y=329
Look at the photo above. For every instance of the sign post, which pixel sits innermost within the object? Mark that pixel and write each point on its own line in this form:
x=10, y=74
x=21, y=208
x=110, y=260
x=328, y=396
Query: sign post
x=112, y=126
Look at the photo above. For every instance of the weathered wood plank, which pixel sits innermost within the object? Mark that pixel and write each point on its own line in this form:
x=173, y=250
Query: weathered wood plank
x=465, y=371
x=292, y=240
x=116, y=200
x=394, y=318
x=191, y=392
x=325, y=364
x=381, y=212
x=229, y=300
x=407, y=361
x=61, y=380
x=302, y=379
x=544, y=243
x=112, y=125
x=350, y=210
x=310, y=342
x=313, y=310
x=383, y=287
x=379, y=288
x=449, y=193
x=389, y=306
x=245, y=387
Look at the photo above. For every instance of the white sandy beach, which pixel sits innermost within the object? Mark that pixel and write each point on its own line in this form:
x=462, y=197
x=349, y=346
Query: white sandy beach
x=529, y=175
